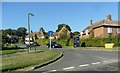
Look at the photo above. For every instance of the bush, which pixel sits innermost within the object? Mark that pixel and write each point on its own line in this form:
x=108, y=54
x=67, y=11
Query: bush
x=20, y=40
x=71, y=42
x=42, y=41
x=89, y=42
x=100, y=42
x=12, y=47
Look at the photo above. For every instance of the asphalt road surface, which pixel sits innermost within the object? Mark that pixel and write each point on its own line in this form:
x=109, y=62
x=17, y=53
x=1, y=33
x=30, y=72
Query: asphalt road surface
x=84, y=60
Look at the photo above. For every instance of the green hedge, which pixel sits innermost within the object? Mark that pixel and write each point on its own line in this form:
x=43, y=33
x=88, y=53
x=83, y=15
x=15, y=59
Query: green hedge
x=100, y=42
x=62, y=42
x=89, y=42
x=42, y=41
x=9, y=47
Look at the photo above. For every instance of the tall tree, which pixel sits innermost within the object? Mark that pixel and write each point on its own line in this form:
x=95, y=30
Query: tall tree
x=8, y=31
x=21, y=31
x=61, y=25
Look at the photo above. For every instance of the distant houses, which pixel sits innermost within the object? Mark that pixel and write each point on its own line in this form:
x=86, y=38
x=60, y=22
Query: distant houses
x=103, y=29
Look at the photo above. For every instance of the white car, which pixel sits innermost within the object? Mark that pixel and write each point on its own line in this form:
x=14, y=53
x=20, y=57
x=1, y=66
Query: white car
x=27, y=41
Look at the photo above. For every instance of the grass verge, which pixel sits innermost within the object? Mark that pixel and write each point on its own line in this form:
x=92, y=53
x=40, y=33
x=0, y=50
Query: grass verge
x=28, y=59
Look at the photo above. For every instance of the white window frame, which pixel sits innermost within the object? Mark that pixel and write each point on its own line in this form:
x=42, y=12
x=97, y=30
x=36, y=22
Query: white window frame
x=118, y=30
x=109, y=30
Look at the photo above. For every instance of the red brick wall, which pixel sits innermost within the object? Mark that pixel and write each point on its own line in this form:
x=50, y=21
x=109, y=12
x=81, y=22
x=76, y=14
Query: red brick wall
x=99, y=32
x=102, y=32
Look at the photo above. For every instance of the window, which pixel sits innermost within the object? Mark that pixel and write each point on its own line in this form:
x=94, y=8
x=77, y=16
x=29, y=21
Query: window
x=109, y=30
x=118, y=30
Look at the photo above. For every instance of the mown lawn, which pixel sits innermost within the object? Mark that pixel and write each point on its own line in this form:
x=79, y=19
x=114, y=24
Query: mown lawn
x=28, y=59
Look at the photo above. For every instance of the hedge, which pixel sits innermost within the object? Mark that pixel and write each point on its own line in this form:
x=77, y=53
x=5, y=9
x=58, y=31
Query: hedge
x=89, y=42
x=100, y=42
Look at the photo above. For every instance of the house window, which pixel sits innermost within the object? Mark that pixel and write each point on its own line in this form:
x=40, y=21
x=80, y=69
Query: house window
x=118, y=30
x=109, y=30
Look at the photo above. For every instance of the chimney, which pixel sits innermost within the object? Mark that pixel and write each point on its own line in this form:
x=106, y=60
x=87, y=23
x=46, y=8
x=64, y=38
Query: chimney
x=109, y=17
x=91, y=22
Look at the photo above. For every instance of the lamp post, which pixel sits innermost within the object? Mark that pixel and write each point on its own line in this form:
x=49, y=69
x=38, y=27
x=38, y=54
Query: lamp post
x=29, y=29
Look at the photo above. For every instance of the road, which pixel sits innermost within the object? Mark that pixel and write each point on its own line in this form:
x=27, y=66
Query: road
x=84, y=60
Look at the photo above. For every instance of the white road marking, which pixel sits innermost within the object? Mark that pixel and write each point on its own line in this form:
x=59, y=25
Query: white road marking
x=105, y=61
x=68, y=68
x=83, y=65
x=96, y=63
x=49, y=71
x=52, y=70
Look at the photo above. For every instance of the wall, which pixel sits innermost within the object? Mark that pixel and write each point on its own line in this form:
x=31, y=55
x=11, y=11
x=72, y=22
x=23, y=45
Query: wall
x=98, y=32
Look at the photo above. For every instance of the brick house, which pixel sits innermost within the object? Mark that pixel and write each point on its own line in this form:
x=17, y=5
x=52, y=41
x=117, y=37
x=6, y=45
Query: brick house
x=56, y=35
x=39, y=35
x=101, y=29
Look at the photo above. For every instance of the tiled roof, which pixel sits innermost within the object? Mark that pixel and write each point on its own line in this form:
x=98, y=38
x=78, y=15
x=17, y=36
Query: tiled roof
x=102, y=23
x=37, y=33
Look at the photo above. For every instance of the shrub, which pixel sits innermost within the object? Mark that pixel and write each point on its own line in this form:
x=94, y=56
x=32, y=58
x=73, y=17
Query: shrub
x=100, y=42
x=12, y=47
x=42, y=41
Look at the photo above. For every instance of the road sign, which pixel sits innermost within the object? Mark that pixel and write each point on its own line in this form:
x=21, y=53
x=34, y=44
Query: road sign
x=50, y=33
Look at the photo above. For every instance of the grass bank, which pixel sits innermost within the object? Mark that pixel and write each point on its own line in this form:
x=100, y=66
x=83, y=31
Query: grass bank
x=28, y=59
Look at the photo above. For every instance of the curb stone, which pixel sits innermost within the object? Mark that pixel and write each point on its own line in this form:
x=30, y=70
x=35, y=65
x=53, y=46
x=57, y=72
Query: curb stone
x=46, y=63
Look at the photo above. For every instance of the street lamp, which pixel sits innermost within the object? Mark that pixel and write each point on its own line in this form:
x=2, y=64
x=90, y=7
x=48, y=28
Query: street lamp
x=29, y=29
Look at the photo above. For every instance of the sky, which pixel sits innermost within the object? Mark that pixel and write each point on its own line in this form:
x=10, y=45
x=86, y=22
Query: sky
x=50, y=14
x=60, y=0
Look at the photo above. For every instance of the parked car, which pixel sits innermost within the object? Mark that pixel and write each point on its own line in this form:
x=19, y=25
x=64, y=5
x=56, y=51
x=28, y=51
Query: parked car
x=76, y=42
x=54, y=45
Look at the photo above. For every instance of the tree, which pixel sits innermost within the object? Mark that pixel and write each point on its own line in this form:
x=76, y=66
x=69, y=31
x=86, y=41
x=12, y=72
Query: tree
x=7, y=31
x=5, y=39
x=21, y=31
x=76, y=33
x=61, y=25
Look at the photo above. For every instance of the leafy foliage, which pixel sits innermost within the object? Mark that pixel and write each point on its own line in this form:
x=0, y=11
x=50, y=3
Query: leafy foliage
x=100, y=42
x=21, y=32
x=63, y=35
x=61, y=25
